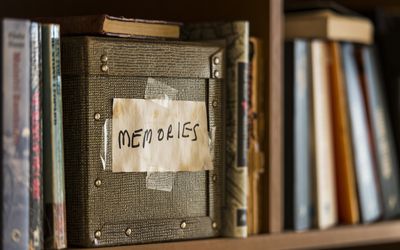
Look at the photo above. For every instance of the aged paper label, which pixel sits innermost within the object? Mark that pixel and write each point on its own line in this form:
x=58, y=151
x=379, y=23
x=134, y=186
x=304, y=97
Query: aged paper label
x=159, y=136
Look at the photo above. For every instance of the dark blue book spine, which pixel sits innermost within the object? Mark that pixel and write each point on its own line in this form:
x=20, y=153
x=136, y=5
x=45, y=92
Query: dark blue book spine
x=15, y=133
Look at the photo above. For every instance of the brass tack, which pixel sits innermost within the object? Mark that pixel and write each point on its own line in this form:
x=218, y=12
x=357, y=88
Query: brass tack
x=104, y=58
x=214, y=225
x=183, y=225
x=97, y=234
x=217, y=74
x=128, y=232
x=104, y=68
x=97, y=116
x=214, y=178
x=217, y=60
x=97, y=183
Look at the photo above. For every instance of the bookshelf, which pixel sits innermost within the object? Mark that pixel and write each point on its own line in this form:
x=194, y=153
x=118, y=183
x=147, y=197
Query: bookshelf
x=266, y=18
x=346, y=236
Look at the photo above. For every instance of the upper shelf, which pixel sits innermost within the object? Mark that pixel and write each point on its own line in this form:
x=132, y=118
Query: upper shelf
x=383, y=232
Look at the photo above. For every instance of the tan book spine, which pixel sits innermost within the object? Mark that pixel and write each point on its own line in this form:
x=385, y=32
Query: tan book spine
x=345, y=176
x=325, y=194
x=255, y=153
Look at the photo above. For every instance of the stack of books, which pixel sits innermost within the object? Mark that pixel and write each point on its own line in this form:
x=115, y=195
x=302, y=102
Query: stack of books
x=341, y=164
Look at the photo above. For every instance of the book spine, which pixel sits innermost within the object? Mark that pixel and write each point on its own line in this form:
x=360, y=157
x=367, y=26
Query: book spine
x=382, y=135
x=251, y=114
x=326, y=212
x=364, y=167
x=16, y=133
x=36, y=199
x=348, y=209
x=255, y=152
x=55, y=213
x=302, y=145
x=298, y=182
x=258, y=115
x=236, y=157
x=289, y=208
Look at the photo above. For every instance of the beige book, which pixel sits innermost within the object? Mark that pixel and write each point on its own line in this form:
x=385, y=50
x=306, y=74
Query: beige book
x=325, y=194
x=326, y=24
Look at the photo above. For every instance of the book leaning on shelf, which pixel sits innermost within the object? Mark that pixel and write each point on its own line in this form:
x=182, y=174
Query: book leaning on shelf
x=364, y=172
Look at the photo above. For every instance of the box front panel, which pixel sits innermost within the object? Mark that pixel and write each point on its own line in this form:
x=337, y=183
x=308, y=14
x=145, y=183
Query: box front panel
x=113, y=208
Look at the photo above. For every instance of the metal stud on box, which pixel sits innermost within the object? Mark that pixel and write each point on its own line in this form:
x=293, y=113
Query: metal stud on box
x=97, y=234
x=97, y=183
x=97, y=116
x=217, y=60
x=128, y=232
x=214, y=178
x=104, y=58
x=183, y=225
x=214, y=225
x=104, y=68
x=217, y=74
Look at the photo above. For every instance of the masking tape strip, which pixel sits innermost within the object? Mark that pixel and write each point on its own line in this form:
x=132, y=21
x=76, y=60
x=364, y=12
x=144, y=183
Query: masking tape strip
x=162, y=94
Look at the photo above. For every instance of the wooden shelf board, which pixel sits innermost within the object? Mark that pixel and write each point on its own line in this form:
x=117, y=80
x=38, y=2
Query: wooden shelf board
x=382, y=232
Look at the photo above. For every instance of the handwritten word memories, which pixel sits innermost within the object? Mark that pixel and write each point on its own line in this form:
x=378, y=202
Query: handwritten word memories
x=148, y=136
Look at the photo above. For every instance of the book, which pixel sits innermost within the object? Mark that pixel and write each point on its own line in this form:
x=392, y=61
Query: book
x=326, y=24
x=324, y=170
x=368, y=196
x=386, y=159
x=348, y=208
x=15, y=127
x=298, y=137
x=53, y=153
x=115, y=26
x=388, y=39
x=255, y=152
x=36, y=184
x=236, y=35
